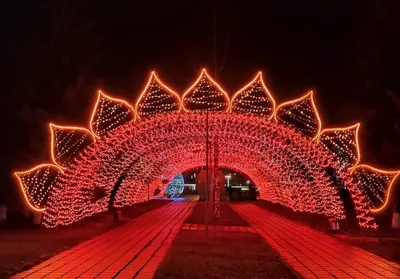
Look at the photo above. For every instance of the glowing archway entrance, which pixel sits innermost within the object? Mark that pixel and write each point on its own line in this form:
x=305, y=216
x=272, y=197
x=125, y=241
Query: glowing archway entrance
x=282, y=149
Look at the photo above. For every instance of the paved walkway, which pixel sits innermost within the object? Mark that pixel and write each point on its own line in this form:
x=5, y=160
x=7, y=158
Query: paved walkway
x=133, y=250
x=314, y=254
x=216, y=228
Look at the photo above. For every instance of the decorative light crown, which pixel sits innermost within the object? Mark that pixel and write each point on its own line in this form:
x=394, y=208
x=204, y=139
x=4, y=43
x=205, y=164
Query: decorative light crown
x=282, y=148
x=157, y=98
x=205, y=95
x=301, y=114
x=254, y=98
x=109, y=113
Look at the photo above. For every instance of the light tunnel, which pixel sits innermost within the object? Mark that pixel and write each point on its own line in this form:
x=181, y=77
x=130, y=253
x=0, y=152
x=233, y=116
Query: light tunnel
x=283, y=149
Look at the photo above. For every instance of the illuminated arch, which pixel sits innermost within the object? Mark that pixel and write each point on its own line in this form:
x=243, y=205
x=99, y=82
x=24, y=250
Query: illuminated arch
x=281, y=157
x=144, y=150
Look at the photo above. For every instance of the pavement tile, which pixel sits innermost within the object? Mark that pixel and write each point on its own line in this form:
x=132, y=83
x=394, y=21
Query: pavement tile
x=123, y=251
x=314, y=254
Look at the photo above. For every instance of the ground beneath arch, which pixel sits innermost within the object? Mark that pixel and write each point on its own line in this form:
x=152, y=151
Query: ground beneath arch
x=262, y=244
x=232, y=249
x=23, y=245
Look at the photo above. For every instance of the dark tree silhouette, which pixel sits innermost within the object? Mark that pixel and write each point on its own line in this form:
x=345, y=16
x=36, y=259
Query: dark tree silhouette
x=51, y=76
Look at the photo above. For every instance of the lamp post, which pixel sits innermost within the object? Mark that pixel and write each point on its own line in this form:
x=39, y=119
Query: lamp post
x=228, y=177
x=207, y=178
x=216, y=182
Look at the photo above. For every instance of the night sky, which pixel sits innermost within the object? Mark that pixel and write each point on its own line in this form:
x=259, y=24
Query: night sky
x=55, y=54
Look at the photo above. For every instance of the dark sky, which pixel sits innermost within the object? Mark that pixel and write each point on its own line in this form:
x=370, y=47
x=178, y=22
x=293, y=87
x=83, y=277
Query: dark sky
x=55, y=54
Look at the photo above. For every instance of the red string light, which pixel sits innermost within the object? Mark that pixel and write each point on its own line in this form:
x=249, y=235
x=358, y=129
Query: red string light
x=301, y=114
x=67, y=142
x=157, y=148
x=37, y=183
x=109, y=113
x=157, y=98
x=146, y=155
x=254, y=98
x=344, y=143
x=376, y=184
x=205, y=94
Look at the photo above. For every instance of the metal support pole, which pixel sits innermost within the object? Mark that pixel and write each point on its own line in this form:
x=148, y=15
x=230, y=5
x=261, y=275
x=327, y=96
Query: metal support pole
x=207, y=178
x=216, y=181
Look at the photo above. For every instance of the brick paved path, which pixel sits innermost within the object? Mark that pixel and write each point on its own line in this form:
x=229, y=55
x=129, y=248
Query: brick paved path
x=217, y=228
x=314, y=254
x=133, y=250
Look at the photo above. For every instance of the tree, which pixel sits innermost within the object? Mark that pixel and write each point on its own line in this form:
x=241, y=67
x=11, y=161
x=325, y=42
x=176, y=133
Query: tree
x=375, y=99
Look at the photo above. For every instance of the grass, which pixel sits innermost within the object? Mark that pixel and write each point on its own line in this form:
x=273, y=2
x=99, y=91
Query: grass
x=222, y=254
x=229, y=217
x=227, y=255
x=23, y=248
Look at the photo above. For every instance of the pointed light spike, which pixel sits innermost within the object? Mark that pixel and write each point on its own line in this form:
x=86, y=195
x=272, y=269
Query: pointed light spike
x=300, y=114
x=37, y=183
x=157, y=98
x=205, y=95
x=67, y=142
x=254, y=98
x=109, y=113
x=377, y=185
x=344, y=143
